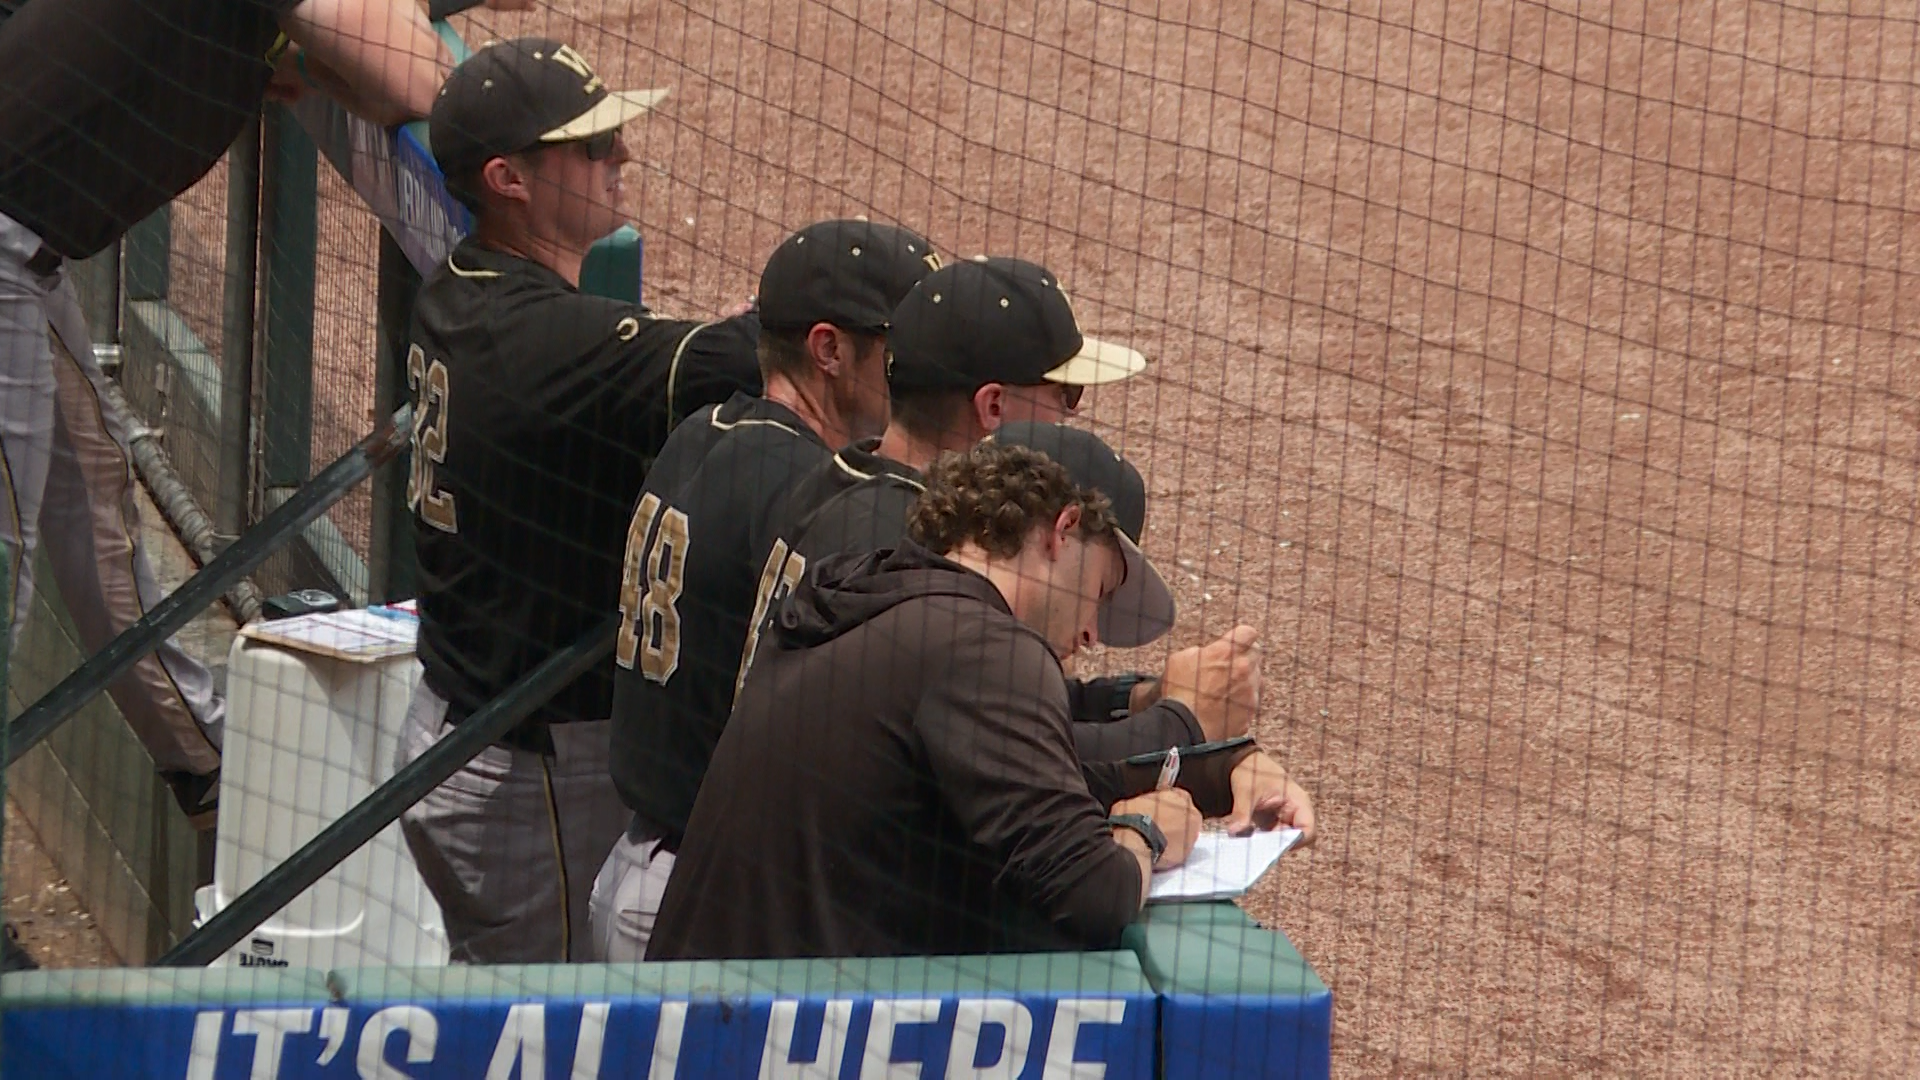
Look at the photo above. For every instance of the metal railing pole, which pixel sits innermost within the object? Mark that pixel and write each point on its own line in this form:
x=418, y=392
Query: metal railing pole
x=166, y=618
x=387, y=802
x=236, y=333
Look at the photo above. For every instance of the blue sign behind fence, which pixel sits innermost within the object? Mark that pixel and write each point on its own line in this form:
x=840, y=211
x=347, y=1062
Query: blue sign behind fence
x=1033, y=1037
x=427, y=221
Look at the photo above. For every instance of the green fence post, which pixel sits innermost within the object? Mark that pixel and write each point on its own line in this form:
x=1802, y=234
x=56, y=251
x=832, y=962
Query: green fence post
x=149, y=246
x=289, y=224
x=390, y=556
x=97, y=281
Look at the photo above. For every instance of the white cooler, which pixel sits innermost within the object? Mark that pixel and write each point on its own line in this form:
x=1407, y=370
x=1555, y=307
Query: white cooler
x=307, y=737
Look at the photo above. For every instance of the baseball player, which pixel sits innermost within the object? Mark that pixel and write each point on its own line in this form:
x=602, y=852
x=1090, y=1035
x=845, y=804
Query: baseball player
x=108, y=110
x=898, y=777
x=537, y=412
x=977, y=346
x=702, y=562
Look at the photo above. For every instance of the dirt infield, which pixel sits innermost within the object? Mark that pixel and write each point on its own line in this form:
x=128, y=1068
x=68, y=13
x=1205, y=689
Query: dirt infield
x=1525, y=373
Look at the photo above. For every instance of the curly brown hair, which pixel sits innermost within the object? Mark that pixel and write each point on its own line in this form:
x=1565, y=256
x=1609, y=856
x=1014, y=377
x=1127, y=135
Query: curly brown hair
x=995, y=494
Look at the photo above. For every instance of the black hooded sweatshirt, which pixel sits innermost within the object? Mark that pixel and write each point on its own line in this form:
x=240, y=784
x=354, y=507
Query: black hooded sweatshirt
x=898, y=777
x=858, y=501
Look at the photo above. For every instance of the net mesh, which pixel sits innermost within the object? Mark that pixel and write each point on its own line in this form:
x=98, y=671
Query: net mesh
x=1523, y=373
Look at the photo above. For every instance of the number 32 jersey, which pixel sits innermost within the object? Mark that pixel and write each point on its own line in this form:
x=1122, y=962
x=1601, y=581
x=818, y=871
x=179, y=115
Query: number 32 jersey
x=703, y=567
x=536, y=411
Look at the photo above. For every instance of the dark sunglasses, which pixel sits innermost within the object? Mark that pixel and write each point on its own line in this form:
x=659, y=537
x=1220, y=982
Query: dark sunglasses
x=600, y=147
x=1070, y=394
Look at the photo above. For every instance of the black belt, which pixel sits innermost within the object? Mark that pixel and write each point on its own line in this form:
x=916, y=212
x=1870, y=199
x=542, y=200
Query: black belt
x=45, y=261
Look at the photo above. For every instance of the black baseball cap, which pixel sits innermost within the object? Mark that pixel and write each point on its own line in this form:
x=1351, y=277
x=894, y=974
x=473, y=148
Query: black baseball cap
x=1000, y=320
x=511, y=96
x=849, y=272
x=1142, y=608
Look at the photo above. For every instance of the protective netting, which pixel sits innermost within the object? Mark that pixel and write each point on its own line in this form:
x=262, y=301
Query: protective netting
x=1525, y=374
x=1528, y=375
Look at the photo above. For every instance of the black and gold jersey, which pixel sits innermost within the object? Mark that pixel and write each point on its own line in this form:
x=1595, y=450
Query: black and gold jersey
x=704, y=566
x=855, y=502
x=537, y=410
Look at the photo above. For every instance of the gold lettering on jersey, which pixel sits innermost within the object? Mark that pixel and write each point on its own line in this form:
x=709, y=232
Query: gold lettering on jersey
x=432, y=391
x=650, y=583
x=627, y=329
x=574, y=62
x=777, y=579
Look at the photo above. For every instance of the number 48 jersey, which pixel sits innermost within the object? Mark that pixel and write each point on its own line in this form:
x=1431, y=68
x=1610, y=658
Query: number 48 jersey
x=703, y=566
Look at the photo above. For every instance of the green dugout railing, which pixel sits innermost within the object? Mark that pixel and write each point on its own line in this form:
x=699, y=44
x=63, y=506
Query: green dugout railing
x=1200, y=992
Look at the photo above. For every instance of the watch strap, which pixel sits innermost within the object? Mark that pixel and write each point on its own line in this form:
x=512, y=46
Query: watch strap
x=1142, y=824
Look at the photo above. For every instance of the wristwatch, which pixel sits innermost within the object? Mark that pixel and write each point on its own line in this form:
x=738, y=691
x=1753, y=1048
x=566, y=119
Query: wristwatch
x=1142, y=824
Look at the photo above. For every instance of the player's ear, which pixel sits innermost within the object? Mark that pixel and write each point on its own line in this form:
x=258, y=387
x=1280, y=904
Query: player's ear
x=990, y=407
x=506, y=179
x=1064, y=525
x=828, y=349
